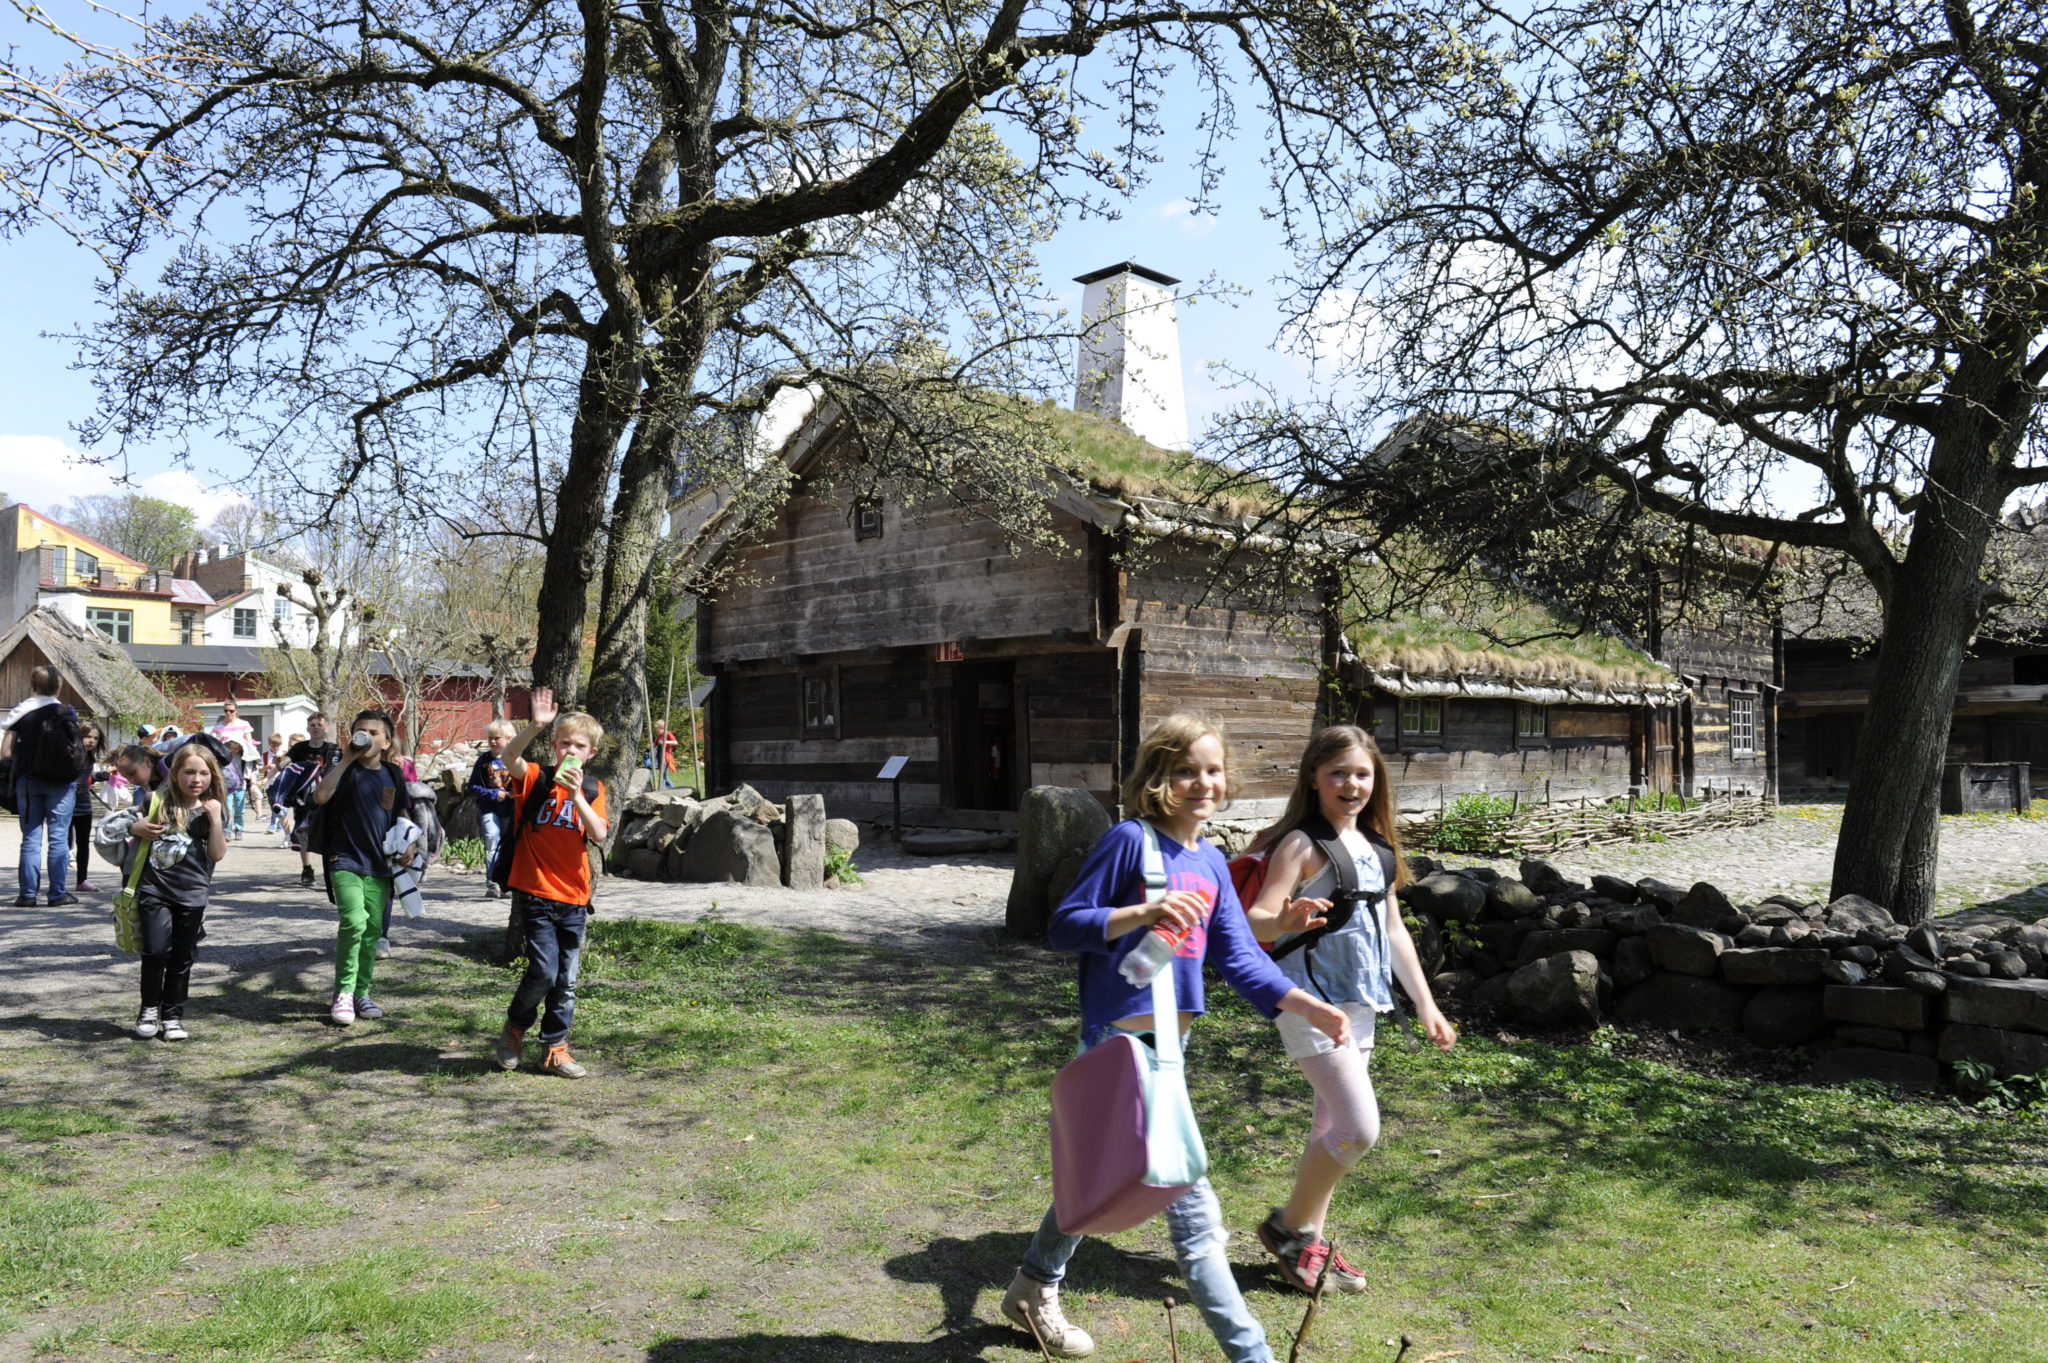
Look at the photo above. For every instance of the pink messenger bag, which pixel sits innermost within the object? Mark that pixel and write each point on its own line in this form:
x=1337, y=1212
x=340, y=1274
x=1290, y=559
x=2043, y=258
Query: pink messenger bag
x=1125, y=1145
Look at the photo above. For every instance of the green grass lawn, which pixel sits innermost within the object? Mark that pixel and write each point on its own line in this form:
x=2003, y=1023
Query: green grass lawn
x=793, y=1148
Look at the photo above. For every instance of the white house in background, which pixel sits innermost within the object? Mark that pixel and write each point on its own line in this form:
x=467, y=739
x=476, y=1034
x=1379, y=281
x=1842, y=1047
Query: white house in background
x=245, y=609
x=276, y=715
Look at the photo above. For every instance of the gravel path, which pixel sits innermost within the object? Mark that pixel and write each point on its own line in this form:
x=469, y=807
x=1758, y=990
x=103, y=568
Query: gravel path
x=263, y=924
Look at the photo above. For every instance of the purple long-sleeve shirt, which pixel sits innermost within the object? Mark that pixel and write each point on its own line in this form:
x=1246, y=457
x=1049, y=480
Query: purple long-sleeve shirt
x=1112, y=878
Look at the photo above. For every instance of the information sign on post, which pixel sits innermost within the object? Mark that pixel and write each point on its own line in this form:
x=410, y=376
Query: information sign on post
x=892, y=771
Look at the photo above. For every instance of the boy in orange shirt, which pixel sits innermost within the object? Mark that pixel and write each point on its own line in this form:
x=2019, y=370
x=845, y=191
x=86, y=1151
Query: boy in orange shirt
x=555, y=811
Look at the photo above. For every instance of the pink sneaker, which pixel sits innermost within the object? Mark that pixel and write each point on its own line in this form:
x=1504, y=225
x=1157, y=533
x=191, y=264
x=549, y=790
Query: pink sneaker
x=343, y=1012
x=88, y=887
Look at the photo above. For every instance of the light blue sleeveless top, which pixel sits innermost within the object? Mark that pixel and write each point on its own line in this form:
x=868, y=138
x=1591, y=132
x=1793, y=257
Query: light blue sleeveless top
x=1352, y=964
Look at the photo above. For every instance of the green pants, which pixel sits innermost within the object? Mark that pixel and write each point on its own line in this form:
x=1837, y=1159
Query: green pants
x=360, y=901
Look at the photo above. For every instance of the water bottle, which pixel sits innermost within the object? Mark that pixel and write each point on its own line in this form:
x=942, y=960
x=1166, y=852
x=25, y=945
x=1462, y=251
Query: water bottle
x=360, y=740
x=1146, y=959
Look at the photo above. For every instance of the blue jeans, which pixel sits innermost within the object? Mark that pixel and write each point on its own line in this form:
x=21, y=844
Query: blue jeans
x=494, y=833
x=45, y=820
x=554, y=951
x=238, y=803
x=1196, y=1224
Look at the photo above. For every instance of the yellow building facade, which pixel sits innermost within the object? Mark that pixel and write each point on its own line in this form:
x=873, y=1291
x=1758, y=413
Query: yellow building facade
x=53, y=565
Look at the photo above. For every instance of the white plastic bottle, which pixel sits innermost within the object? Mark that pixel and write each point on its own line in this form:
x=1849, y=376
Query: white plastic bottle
x=1146, y=959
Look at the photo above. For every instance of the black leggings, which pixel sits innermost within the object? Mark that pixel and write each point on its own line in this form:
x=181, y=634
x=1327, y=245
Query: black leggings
x=81, y=856
x=170, y=940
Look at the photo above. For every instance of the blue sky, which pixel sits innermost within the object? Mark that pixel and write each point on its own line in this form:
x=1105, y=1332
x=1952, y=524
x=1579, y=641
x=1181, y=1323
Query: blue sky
x=47, y=287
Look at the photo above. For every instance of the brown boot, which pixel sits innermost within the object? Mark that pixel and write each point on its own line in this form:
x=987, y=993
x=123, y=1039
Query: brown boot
x=1034, y=1308
x=505, y=1050
x=559, y=1061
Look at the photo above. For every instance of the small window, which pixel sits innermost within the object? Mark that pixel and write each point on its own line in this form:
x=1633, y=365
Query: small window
x=281, y=617
x=867, y=520
x=1422, y=717
x=821, y=704
x=85, y=565
x=116, y=625
x=1531, y=722
x=188, y=627
x=245, y=622
x=1742, y=724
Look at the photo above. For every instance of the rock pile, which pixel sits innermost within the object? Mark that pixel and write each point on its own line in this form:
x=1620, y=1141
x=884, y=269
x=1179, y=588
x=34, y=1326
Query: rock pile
x=743, y=838
x=1876, y=999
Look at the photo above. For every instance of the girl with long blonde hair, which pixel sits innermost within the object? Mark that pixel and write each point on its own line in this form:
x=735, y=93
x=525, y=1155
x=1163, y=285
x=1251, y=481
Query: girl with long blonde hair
x=184, y=836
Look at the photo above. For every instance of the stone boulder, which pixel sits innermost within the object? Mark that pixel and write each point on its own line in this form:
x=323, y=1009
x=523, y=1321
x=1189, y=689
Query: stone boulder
x=1685, y=1003
x=1784, y=1015
x=1704, y=906
x=2015, y=1005
x=1445, y=895
x=1543, y=878
x=1876, y=1005
x=1773, y=965
x=642, y=863
x=1663, y=894
x=1557, y=991
x=2008, y=1052
x=731, y=847
x=1595, y=941
x=1615, y=888
x=1511, y=898
x=803, y=858
x=1632, y=920
x=1054, y=824
x=1632, y=962
x=1852, y=912
x=842, y=835
x=1686, y=950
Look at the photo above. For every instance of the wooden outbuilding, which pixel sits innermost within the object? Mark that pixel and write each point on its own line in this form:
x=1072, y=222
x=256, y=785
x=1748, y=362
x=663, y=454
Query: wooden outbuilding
x=97, y=677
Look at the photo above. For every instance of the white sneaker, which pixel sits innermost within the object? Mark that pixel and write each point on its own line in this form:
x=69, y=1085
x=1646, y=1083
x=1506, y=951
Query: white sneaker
x=174, y=1029
x=343, y=1011
x=1034, y=1308
x=146, y=1024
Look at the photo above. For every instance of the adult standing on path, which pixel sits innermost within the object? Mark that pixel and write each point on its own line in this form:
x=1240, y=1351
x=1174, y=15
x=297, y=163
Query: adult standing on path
x=43, y=739
x=232, y=728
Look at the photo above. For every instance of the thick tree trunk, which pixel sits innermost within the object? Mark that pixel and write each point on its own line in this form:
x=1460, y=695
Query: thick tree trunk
x=1890, y=838
x=605, y=400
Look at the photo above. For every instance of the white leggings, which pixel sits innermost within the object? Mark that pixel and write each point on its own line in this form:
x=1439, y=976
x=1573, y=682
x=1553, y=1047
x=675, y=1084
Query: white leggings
x=1347, y=1118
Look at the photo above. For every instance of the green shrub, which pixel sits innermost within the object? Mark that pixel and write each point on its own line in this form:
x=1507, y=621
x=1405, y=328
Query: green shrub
x=465, y=852
x=839, y=862
x=1473, y=823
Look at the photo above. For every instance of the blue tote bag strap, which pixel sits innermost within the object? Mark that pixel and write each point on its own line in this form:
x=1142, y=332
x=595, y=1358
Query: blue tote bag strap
x=1175, y=1154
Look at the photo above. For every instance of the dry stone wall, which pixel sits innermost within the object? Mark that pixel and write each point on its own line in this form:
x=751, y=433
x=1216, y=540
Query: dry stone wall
x=1872, y=998
x=741, y=838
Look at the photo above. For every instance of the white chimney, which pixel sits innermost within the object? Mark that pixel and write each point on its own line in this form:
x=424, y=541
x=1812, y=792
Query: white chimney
x=1130, y=354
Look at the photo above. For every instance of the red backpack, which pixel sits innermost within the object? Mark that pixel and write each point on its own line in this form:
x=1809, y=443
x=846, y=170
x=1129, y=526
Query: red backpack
x=1248, y=874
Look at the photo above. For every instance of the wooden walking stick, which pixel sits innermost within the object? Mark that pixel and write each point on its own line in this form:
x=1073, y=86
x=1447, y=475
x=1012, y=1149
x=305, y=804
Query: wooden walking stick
x=1172, y=1334
x=1308, y=1317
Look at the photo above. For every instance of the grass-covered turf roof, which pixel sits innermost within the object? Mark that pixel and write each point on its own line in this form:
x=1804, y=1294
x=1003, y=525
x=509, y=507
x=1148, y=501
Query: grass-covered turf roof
x=1497, y=632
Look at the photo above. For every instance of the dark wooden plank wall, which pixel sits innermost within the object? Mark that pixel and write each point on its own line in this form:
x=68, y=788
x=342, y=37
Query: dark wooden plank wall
x=884, y=711
x=1586, y=755
x=1736, y=658
x=1211, y=650
x=1069, y=700
x=936, y=573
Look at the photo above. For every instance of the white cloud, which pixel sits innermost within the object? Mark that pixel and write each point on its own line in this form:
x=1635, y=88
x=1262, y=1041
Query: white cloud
x=1193, y=222
x=43, y=471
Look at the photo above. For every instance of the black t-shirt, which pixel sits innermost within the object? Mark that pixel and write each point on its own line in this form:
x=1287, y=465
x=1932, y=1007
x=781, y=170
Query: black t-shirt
x=186, y=883
x=358, y=819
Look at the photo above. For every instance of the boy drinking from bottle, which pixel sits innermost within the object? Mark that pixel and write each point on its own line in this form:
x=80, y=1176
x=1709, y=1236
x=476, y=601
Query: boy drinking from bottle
x=556, y=810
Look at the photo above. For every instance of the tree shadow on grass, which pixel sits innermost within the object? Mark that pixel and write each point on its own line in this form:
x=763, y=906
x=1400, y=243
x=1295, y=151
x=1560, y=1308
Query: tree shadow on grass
x=66, y=1029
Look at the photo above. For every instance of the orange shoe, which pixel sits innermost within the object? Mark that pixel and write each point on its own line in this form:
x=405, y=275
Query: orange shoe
x=505, y=1050
x=559, y=1061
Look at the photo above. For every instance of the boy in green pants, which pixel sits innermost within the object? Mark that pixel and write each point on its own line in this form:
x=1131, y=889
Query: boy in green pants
x=359, y=800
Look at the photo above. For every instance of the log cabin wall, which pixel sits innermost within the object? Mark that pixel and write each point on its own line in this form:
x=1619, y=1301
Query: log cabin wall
x=1587, y=752
x=1206, y=648
x=1727, y=729
x=933, y=573
x=2001, y=710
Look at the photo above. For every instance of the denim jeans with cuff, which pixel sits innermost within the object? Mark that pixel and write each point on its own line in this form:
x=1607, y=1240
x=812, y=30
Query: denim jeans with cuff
x=45, y=822
x=554, y=951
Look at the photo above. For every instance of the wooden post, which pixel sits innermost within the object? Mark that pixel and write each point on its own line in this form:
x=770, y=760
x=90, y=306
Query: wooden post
x=690, y=702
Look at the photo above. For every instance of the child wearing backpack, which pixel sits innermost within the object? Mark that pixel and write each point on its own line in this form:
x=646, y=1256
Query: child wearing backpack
x=1333, y=864
x=183, y=835
x=44, y=741
x=358, y=801
x=1177, y=783
x=556, y=810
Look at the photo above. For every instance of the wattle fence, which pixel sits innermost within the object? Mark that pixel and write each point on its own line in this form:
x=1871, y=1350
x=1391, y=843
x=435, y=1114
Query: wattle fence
x=1498, y=826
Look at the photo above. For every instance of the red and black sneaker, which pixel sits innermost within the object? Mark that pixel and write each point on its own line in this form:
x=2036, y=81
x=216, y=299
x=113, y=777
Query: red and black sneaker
x=1302, y=1254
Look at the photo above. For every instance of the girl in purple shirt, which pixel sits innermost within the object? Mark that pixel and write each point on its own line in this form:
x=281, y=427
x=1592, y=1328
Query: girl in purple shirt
x=1177, y=783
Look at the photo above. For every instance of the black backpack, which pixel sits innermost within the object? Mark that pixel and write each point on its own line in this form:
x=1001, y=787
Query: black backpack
x=501, y=869
x=59, y=745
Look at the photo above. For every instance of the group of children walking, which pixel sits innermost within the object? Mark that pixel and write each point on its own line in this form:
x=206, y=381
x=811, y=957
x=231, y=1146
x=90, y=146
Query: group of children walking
x=1325, y=913
x=349, y=808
